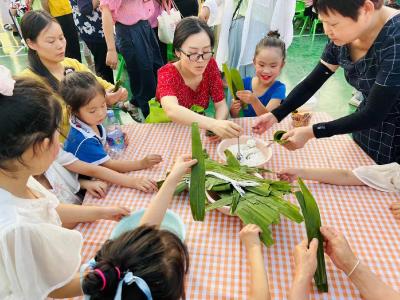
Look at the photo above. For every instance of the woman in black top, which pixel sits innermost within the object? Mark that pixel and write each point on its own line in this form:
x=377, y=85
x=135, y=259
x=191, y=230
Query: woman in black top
x=365, y=42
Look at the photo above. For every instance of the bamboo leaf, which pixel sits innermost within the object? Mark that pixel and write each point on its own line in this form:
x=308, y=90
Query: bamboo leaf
x=278, y=137
x=228, y=79
x=312, y=219
x=231, y=160
x=219, y=203
x=197, y=189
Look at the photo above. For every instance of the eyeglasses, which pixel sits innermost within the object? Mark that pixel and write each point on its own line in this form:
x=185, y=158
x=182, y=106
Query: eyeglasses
x=196, y=56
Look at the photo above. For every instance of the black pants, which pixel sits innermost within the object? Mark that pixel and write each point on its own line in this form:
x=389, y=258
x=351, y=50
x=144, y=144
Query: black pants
x=188, y=7
x=163, y=47
x=138, y=45
x=99, y=51
x=71, y=36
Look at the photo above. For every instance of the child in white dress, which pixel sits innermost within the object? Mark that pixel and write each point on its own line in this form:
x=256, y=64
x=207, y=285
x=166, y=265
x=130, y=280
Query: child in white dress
x=38, y=257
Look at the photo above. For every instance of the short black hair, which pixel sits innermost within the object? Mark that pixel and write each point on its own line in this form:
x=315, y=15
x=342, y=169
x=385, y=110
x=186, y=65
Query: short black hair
x=189, y=26
x=29, y=116
x=347, y=8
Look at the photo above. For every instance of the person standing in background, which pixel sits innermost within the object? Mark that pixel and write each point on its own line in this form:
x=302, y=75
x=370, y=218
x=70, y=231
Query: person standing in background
x=87, y=17
x=137, y=43
x=62, y=11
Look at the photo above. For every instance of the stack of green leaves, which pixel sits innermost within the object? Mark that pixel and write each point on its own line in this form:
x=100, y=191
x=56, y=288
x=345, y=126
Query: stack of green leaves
x=261, y=205
x=312, y=219
x=234, y=81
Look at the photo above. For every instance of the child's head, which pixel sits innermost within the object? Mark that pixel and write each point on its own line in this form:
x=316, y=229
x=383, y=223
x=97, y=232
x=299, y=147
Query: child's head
x=269, y=57
x=29, y=121
x=345, y=21
x=156, y=256
x=46, y=42
x=193, y=37
x=85, y=97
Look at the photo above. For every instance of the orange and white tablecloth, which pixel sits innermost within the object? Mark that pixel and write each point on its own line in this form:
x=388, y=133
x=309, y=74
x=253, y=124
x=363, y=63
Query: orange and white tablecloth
x=218, y=268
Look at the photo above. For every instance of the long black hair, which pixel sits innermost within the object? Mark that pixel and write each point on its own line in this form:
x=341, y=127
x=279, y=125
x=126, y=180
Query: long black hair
x=32, y=25
x=157, y=256
x=29, y=116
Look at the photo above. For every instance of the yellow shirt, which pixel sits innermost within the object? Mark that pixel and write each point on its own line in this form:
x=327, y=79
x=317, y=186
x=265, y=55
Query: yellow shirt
x=59, y=8
x=78, y=67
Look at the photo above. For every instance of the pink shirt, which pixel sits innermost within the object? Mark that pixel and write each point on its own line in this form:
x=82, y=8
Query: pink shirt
x=129, y=12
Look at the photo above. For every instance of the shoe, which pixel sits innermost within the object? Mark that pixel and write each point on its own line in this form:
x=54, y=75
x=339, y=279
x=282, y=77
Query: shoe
x=356, y=99
x=134, y=112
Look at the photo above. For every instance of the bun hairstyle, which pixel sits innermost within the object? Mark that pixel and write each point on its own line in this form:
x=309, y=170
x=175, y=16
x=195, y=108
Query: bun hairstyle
x=29, y=116
x=32, y=24
x=345, y=8
x=272, y=40
x=78, y=88
x=157, y=256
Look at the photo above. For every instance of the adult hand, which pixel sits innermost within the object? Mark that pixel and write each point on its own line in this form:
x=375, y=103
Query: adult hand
x=305, y=259
x=204, y=14
x=112, y=59
x=182, y=166
x=338, y=249
x=250, y=236
x=144, y=184
x=297, y=137
x=235, y=108
x=225, y=129
x=264, y=122
x=113, y=97
x=115, y=213
x=214, y=139
x=247, y=97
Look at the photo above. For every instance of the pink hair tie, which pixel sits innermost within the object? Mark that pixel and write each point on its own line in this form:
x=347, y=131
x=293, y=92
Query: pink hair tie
x=118, y=272
x=103, y=278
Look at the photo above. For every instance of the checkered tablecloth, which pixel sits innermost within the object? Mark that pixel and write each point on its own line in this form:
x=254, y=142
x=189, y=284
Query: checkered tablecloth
x=218, y=268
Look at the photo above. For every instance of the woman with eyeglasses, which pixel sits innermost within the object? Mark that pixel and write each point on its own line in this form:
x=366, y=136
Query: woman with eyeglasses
x=194, y=79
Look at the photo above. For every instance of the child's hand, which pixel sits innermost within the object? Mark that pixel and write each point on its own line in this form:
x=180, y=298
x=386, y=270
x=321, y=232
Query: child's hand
x=305, y=259
x=247, y=97
x=289, y=174
x=250, y=236
x=181, y=167
x=151, y=160
x=395, y=208
x=235, y=108
x=114, y=213
x=120, y=95
x=96, y=188
x=338, y=249
x=144, y=184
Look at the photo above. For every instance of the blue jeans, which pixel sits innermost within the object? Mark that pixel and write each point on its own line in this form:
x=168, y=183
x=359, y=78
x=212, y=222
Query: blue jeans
x=138, y=45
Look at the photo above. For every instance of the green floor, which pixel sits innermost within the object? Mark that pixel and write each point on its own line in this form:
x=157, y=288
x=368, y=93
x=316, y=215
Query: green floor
x=302, y=56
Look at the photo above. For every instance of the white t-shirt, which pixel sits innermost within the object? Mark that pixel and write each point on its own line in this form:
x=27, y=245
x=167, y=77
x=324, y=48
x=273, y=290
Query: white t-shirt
x=65, y=184
x=37, y=255
x=384, y=178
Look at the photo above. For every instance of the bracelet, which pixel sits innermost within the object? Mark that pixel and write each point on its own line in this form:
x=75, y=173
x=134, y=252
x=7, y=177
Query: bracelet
x=354, y=268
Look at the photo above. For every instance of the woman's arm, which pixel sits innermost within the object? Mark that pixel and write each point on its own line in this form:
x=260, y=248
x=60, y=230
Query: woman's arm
x=108, y=28
x=305, y=89
x=182, y=115
x=379, y=103
x=221, y=110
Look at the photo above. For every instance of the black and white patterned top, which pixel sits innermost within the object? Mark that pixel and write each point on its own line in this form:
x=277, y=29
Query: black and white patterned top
x=87, y=20
x=380, y=66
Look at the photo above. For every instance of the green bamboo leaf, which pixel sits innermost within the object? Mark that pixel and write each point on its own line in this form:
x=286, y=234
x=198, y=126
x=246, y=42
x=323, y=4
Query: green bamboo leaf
x=231, y=160
x=228, y=79
x=219, y=203
x=237, y=84
x=278, y=137
x=197, y=187
x=312, y=219
x=221, y=187
x=235, y=202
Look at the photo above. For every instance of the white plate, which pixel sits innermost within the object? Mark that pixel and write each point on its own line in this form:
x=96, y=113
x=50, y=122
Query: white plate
x=262, y=146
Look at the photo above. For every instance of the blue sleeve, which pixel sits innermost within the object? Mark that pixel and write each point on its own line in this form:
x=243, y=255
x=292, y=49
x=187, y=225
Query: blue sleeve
x=92, y=151
x=85, y=7
x=247, y=83
x=280, y=92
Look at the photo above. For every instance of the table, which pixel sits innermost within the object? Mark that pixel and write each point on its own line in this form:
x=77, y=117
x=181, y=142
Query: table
x=218, y=267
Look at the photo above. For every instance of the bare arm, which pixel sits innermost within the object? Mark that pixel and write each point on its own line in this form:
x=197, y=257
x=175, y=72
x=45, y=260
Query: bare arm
x=124, y=166
x=260, y=109
x=70, y=290
x=259, y=280
x=70, y=213
x=300, y=289
x=371, y=286
x=221, y=110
